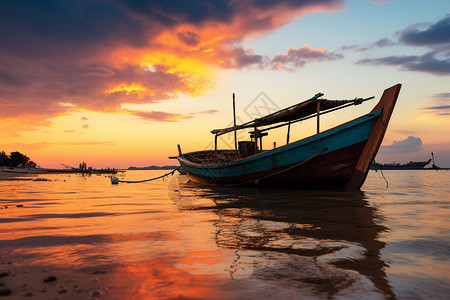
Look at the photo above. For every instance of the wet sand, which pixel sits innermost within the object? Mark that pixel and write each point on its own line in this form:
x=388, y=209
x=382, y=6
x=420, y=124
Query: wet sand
x=15, y=176
x=46, y=283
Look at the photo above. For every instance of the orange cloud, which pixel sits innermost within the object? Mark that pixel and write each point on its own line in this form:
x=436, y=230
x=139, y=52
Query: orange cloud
x=124, y=52
x=130, y=89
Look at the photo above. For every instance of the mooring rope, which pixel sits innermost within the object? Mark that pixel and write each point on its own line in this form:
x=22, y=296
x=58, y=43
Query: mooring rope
x=387, y=183
x=146, y=180
x=381, y=171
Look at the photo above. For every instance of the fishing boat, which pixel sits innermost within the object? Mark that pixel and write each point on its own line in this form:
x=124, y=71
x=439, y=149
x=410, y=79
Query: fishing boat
x=338, y=157
x=412, y=165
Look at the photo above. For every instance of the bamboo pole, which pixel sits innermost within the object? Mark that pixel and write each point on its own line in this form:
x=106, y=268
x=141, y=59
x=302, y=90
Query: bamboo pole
x=234, y=120
x=260, y=143
x=215, y=147
x=318, y=115
x=256, y=139
x=288, y=132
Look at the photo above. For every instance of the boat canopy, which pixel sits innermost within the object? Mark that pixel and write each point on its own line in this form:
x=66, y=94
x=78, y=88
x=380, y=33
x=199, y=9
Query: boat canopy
x=293, y=113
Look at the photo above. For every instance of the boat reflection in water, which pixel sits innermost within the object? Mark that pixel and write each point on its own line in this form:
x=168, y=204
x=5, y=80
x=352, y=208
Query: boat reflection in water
x=303, y=244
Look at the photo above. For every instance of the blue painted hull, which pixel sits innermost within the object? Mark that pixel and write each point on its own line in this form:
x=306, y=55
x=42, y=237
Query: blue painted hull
x=295, y=163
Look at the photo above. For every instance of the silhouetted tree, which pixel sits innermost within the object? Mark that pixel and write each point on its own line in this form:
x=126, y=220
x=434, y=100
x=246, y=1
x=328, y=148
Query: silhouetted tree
x=4, y=159
x=31, y=164
x=16, y=159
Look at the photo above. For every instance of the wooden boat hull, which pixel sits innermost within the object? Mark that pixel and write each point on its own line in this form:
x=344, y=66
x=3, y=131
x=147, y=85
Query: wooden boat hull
x=330, y=169
x=326, y=159
x=338, y=157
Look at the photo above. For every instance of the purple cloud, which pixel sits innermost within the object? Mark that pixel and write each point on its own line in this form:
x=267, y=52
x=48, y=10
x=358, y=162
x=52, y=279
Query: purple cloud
x=298, y=57
x=409, y=145
x=424, y=63
x=435, y=34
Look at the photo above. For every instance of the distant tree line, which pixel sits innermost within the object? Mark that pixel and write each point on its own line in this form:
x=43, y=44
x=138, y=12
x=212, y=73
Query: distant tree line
x=16, y=159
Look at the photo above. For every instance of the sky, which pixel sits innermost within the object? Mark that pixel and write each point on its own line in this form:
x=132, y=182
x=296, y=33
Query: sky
x=120, y=83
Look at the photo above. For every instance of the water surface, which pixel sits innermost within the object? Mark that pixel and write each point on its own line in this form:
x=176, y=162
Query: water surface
x=169, y=239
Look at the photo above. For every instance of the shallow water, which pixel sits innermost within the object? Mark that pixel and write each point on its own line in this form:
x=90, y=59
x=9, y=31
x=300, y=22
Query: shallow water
x=169, y=239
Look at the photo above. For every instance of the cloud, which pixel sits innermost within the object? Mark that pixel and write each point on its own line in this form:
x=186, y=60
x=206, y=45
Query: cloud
x=435, y=37
x=211, y=111
x=386, y=42
x=441, y=105
x=435, y=34
x=160, y=116
x=62, y=56
x=442, y=96
x=84, y=119
x=189, y=38
x=425, y=63
x=438, y=107
x=409, y=145
x=298, y=57
x=85, y=126
x=40, y=145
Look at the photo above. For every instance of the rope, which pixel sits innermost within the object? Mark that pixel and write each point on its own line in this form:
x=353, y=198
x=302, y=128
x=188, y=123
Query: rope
x=381, y=171
x=151, y=179
x=276, y=173
x=387, y=183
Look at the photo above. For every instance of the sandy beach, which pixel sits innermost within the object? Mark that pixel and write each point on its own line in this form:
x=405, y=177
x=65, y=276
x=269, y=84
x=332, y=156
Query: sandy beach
x=49, y=283
x=15, y=176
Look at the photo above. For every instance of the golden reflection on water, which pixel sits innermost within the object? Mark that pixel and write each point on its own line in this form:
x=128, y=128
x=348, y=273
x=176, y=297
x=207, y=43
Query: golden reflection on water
x=169, y=239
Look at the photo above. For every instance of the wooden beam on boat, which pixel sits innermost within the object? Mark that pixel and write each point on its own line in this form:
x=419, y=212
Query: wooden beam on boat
x=357, y=102
x=387, y=104
x=318, y=115
x=234, y=121
x=294, y=112
x=288, y=132
x=256, y=139
x=179, y=150
x=215, y=147
x=260, y=143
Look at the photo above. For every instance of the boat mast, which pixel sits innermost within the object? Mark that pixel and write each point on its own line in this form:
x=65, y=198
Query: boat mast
x=318, y=114
x=234, y=120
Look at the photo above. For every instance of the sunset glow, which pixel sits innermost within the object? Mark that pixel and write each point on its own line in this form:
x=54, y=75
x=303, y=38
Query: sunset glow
x=130, y=89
